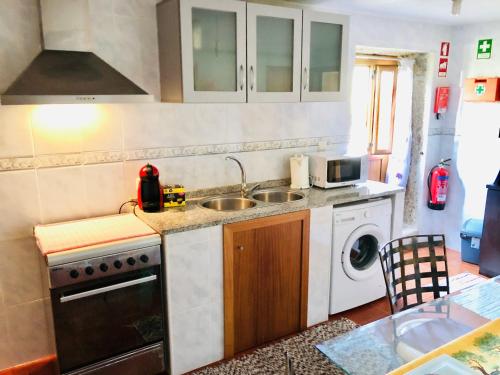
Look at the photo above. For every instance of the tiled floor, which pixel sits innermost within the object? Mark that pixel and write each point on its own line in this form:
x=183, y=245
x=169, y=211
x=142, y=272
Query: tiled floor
x=380, y=308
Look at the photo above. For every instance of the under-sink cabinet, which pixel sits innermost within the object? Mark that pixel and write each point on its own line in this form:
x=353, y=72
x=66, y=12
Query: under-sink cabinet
x=265, y=279
x=235, y=51
x=277, y=266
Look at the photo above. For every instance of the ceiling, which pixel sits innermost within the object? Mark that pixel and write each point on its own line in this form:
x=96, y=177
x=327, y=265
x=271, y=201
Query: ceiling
x=433, y=11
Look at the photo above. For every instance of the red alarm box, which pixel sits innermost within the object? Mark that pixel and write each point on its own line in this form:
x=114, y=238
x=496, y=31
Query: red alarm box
x=441, y=100
x=482, y=90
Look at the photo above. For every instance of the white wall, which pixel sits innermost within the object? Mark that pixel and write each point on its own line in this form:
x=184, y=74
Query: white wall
x=474, y=145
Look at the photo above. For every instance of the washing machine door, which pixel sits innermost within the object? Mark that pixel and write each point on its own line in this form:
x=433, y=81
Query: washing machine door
x=360, y=259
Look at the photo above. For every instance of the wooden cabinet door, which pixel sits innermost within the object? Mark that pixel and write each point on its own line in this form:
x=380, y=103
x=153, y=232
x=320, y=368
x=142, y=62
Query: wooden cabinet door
x=245, y=286
x=265, y=280
x=279, y=248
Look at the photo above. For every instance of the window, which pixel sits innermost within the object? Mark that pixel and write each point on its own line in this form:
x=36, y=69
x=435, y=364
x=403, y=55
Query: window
x=373, y=108
x=375, y=81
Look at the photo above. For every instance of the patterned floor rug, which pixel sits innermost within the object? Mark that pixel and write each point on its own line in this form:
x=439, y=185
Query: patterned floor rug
x=305, y=357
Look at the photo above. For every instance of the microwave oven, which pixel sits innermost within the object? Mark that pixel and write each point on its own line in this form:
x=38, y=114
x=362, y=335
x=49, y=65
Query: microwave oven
x=331, y=170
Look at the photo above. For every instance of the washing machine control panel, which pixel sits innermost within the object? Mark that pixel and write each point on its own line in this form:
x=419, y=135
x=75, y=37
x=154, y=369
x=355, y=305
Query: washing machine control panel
x=371, y=210
x=346, y=218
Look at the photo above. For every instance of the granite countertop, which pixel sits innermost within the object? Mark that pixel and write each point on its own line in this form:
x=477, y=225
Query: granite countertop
x=194, y=216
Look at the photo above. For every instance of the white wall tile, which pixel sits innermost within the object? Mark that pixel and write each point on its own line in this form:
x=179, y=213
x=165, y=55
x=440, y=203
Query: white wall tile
x=15, y=131
x=105, y=191
x=21, y=278
x=57, y=140
x=295, y=120
x=142, y=127
x=100, y=7
x=320, y=250
x=134, y=8
x=258, y=121
x=195, y=297
x=130, y=174
x=192, y=344
x=209, y=123
x=28, y=331
x=20, y=38
x=7, y=351
x=194, y=268
x=62, y=194
x=106, y=133
x=127, y=38
x=20, y=209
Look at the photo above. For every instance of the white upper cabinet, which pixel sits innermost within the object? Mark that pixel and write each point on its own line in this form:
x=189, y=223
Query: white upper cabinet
x=211, y=57
x=324, y=56
x=273, y=53
x=233, y=51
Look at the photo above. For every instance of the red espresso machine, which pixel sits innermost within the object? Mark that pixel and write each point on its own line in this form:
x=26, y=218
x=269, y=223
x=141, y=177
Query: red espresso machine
x=149, y=191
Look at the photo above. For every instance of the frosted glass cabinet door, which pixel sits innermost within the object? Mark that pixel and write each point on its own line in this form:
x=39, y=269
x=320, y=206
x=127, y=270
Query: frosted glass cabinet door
x=213, y=50
x=274, y=53
x=324, y=56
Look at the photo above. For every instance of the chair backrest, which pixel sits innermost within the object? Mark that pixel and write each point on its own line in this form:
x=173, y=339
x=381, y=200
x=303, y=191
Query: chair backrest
x=415, y=270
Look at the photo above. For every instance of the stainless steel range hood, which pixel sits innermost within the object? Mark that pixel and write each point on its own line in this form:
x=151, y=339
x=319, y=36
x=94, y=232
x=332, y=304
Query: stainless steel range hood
x=61, y=76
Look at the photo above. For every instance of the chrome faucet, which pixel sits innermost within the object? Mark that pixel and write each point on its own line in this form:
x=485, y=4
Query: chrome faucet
x=244, y=191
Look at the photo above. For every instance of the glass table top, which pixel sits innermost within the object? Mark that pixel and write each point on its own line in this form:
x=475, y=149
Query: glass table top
x=386, y=344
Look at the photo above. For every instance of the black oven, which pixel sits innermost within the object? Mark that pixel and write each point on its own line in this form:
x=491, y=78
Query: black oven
x=108, y=314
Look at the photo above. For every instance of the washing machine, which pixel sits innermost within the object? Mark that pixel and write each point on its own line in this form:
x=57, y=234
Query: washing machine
x=359, y=231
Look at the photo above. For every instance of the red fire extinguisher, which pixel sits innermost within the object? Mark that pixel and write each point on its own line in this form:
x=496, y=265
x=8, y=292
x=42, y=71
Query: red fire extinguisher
x=437, y=182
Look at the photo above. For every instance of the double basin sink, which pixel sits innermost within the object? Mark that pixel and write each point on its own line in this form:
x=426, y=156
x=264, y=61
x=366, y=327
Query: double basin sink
x=232, y=203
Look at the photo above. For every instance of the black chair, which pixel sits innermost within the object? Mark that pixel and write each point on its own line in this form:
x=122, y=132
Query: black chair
x=415, y=270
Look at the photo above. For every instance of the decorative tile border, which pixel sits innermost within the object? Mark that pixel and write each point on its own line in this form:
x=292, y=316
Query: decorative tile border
x=99, y=157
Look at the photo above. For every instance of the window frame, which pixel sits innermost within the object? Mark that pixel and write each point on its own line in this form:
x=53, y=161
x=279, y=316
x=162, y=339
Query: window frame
x=377, y=66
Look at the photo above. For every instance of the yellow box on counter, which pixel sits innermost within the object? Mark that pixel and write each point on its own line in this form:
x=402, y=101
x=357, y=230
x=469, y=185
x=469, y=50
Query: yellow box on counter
x=174, y=196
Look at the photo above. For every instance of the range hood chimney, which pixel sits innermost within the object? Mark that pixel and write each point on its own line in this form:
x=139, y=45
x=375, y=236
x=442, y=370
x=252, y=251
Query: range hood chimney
x=66, y=71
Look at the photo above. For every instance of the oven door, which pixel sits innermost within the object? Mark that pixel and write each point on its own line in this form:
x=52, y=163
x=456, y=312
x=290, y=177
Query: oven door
x=104, y=318
x=344, y=171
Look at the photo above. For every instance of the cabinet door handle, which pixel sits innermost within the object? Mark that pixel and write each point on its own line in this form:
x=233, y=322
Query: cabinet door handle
x=306, y=83
x=240, y=247
x=252, y=78
x=242, y=77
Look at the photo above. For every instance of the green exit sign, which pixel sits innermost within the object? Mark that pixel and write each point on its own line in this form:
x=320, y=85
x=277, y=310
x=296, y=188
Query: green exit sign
x=484, y=48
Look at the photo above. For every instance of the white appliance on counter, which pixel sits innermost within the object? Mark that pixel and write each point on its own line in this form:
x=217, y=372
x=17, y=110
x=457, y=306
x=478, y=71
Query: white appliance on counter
x=330, y=169
x=359, y=230
x=299, y=170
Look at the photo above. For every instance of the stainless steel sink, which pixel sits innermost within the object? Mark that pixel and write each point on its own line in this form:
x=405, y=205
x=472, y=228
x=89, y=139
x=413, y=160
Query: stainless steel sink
x=277, y=196
x=228, y=203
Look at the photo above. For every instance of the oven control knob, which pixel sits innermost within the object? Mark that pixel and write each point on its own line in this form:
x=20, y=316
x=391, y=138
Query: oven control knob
x=144, y=258
x=117, y=264
x=131, y=261
x=103, y=267
x=74, y=274
x=89, y=270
